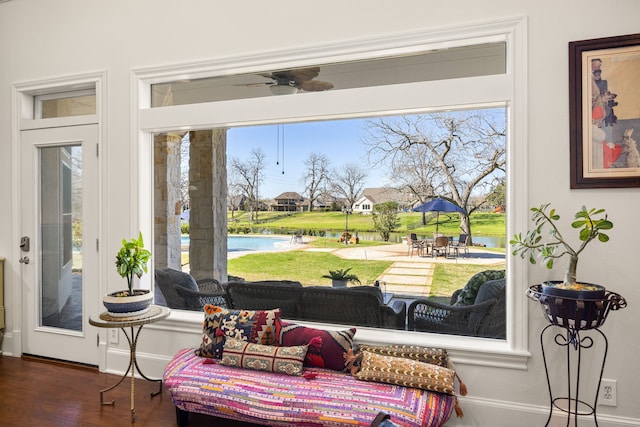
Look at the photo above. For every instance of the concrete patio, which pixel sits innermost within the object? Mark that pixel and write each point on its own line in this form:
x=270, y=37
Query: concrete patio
x=412, y=275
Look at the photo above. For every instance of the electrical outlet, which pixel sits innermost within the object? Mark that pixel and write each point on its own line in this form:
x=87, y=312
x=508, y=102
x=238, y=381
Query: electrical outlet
x=608, y=392
x=114, y=337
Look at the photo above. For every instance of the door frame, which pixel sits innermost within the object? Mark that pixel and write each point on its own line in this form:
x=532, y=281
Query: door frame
x=40, y=338
x=23, y=102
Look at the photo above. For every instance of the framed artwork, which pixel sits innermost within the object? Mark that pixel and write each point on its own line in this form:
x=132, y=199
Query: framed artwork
x=604, y=112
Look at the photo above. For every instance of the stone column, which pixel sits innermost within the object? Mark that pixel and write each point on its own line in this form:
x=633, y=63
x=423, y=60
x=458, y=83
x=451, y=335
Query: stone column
x=208, y=201
x=167, y=204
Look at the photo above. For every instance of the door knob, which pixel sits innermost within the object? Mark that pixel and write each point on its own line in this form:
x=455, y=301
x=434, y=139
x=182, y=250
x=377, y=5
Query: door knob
x=24, y=260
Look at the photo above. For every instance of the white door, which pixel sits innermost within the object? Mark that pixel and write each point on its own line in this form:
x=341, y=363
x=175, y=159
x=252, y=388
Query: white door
x=59, y=247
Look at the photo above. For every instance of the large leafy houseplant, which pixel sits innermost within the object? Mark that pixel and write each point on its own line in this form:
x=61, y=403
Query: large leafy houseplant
x=590, y=224
x=131, y=261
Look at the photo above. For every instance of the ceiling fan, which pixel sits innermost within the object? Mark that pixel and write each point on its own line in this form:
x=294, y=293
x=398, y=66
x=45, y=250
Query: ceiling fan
x=290, y=81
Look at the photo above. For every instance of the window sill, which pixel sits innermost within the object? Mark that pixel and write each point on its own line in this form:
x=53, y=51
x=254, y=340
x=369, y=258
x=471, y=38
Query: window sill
x=463, y=350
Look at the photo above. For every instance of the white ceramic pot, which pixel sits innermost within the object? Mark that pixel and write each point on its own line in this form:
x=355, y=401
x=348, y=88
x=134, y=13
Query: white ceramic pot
x=336, y=283
x=128, y=305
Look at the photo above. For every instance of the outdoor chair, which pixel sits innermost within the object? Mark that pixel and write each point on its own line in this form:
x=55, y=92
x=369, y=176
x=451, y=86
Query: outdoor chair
x=265, y=295
x=181, y=291
x=476, y=310
x=356, y=305
x=414, y=243
x=460, y=245
x=440, y=246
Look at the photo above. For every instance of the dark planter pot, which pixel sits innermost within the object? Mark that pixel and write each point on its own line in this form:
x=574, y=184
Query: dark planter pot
x=124, y=306
x=574, y=308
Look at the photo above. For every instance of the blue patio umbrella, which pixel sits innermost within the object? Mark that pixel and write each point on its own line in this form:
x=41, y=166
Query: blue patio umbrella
x=438, y=205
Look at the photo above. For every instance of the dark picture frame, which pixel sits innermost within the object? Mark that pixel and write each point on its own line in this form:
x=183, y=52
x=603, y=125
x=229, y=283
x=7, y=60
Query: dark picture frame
x=604, y=100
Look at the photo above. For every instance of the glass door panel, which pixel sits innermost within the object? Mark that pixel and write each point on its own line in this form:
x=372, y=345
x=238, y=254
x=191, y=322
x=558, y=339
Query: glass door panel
x=61, y=255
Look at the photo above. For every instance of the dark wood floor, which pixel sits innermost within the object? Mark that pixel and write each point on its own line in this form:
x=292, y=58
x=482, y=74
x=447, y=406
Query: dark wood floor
x=42, y=393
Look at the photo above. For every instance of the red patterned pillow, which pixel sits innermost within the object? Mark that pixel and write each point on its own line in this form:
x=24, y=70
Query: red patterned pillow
x=326, y=348
x=255, y=326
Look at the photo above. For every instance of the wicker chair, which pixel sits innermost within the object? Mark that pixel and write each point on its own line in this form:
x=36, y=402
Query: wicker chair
x=210, y=291
x=358, y=306
x=440, y=246
x=265, y=295
x=419, y=246
x=181, y=291
x=485, y=318
x=460, y=245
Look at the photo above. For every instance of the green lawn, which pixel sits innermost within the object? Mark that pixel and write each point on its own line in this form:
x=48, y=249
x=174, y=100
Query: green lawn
x=484, y=223
x=308, y=268
x=447, y=278
x=305, y=267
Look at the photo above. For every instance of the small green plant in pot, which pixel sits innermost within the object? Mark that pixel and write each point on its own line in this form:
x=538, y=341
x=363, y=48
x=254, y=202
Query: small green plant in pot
x=131, y=261
x=341, y=277
x=590, y=224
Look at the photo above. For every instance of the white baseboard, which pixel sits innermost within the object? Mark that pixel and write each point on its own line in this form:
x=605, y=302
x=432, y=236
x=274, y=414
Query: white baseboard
x=498, y=413
x=151, y=365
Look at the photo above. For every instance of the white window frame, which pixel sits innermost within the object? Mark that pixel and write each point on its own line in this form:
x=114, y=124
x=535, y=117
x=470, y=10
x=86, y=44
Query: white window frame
x=507, y=89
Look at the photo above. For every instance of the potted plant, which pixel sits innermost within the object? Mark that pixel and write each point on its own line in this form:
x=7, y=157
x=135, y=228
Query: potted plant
x=341, y=277
x=590, y=224
x=131, y=260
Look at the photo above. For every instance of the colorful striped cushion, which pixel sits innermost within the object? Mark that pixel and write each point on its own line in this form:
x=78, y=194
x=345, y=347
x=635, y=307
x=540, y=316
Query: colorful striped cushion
x=330, y=399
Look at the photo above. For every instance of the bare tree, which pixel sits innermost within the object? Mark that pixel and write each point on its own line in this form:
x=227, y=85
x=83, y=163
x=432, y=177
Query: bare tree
x=464, y=152
x=234, y=197
x=315, y=176
x=247, y=176
x=348, y=181
x=412, y=174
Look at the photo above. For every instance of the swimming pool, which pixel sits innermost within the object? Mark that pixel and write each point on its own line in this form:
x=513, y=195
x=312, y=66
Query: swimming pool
x=249, y=243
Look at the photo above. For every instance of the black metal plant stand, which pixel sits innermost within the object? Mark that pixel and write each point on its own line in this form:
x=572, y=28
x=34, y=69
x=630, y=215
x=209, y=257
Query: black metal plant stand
x=573, y=315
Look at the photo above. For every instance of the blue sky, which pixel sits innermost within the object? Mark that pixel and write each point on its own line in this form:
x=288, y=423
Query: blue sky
x=339, y=140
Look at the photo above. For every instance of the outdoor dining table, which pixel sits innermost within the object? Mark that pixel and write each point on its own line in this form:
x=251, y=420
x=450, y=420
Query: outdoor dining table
x=427, y=244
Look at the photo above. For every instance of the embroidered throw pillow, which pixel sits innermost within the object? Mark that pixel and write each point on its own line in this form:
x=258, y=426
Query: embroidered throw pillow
x=268, y=358
x=256, y=326
x=405, y=372
x=435, y=356
x=326, y=348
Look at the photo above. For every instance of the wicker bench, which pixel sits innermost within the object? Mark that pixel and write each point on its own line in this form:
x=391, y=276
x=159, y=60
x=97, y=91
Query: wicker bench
x=331, y=398
x=357, y=305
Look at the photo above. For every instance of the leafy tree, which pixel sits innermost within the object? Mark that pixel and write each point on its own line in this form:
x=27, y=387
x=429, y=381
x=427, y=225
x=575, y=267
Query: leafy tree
x=498, y=194
x=463, y=152
x=385, y=218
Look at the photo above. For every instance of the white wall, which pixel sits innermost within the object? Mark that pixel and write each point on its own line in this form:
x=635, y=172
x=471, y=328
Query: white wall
x=43, y=39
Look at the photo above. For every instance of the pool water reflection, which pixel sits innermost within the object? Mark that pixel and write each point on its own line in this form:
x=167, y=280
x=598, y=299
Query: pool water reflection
x=249, y=243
